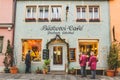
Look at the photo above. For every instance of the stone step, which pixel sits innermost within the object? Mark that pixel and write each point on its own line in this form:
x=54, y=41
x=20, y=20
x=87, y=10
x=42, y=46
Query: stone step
x=58, y=72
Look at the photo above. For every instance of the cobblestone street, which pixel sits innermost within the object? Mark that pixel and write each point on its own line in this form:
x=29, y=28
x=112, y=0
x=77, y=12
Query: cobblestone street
x=33, y=76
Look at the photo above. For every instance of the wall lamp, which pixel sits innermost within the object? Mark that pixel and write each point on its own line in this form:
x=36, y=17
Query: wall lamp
x=67, y=10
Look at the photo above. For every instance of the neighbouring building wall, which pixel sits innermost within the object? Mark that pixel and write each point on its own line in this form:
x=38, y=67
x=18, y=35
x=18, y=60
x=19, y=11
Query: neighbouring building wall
x=115, y=18
x=6, y=27
x=6, y=10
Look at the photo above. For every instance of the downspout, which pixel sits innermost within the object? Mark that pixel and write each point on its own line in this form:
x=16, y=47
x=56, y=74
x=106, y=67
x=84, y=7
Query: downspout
x=13, y=20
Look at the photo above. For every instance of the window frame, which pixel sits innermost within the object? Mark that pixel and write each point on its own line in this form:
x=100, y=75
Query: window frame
x=56, y=19
x=43, y=19
x=88, y=42
x=31, y=19
x=94, y=19
x=81, y=19
x=1, y=38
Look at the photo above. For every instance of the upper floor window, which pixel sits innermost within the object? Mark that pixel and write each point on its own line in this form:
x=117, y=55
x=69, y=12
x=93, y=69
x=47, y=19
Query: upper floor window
x=56, y=13
x=43, y=13
x=94, y=14
x=81, y=13
x=1, y=43
x=30, y=13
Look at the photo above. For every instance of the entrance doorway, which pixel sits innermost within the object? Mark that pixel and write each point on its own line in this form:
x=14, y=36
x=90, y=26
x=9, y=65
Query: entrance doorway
x=58, y=57
x=58, y=51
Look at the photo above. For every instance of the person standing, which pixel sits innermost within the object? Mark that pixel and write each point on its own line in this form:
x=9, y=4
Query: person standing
x=28, y=62
x=82, y=62
x=92, y=64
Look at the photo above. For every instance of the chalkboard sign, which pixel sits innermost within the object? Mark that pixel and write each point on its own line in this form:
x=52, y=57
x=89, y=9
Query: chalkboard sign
x=45, y=54
x=72, y=54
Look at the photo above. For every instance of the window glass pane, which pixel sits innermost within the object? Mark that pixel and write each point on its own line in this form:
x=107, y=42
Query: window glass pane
x=56, y=12
x=1, y=44
x=96, y=15
x=91, y=13
x=46, y=12
x=81, y=14
x=59, y=12
x=31, y=12
x=41, y=12
x=28, y=12
x=34, y=46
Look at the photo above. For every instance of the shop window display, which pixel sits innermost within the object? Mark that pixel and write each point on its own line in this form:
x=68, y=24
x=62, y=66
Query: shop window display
x=88, y=46
x=34, y=46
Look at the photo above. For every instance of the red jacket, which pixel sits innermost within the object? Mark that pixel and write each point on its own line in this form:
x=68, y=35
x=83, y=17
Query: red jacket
x=83, y=60
x=92, y=62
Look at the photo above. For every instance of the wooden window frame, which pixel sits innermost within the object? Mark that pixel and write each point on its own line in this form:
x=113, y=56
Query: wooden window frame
x=43, y=19
x=93, y=12
x=81, y=19
x=32, y=19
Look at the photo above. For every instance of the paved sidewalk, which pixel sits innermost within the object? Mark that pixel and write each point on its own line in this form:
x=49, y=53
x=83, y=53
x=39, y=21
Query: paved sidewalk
x=33, y=76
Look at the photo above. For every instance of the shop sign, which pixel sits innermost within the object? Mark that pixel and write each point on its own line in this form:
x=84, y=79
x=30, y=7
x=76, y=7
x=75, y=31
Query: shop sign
x=67, y=29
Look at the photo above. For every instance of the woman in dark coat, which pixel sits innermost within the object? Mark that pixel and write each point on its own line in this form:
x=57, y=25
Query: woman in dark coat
x=28, y=62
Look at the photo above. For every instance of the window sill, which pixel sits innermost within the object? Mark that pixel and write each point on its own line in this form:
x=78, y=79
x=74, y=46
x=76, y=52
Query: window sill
x=30, y=20
x=81, y=20
x=56, y=20
x=43, y=20
x=94, y=20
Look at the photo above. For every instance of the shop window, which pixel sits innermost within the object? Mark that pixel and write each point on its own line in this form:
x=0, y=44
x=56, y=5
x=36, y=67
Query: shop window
x=87, y=46
x=81, y=13
x=56, y=14
x=30, y=14
x=1, y=43
x=34, y=46
x=43, y=13
x=94, y=15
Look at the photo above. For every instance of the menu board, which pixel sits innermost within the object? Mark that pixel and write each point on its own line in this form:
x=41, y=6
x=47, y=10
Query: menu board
x=45, y=54
x=72, y=54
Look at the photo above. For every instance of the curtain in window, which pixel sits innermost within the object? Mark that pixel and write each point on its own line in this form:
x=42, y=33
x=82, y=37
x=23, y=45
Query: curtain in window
x=83, y=13
x=33, y=12
x=59, y=12
x=96, y=15
x=41, y=12
x=28, y=12
x=56, y=12
x=91, y=13
x=46, y=13
x=78, y=13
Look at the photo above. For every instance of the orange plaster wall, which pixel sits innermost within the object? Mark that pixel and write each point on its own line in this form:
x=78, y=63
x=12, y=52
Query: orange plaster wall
x=115, y=18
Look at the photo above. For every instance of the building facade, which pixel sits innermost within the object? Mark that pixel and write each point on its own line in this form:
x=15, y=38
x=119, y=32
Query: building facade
x=6, y=27
x=114, y=20
x=62, y=29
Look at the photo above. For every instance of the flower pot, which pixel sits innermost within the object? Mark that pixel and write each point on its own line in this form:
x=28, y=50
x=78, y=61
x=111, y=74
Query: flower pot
x=110, y=73
x=45, y=71
x=13, y=70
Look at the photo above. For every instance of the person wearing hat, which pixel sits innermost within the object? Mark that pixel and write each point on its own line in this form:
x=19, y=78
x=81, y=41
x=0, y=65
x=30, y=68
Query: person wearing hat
x=28, y=62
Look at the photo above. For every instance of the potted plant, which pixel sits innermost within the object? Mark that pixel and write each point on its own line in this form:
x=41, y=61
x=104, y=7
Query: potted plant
x=47, y=63
x=38, y=70
x=45, y=69
x=8, y=60
x=112, y=59
x=71, y=70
